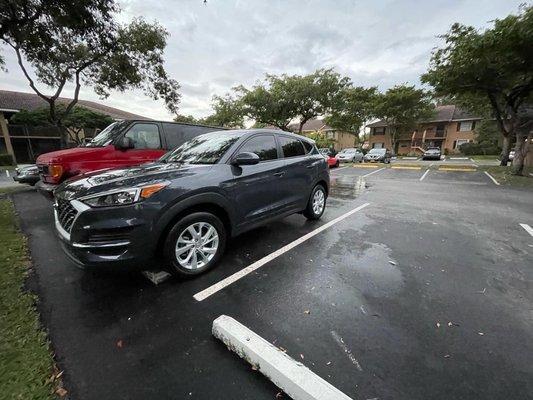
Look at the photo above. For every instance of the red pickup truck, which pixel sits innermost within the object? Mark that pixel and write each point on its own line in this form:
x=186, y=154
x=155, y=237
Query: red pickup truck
x=121, y=144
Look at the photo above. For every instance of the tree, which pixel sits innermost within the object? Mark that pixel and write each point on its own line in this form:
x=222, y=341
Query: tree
x=402, y=107
x=321, y=139
x=279, y=100
x=77, y=121
x=101, y=54
x=20, y=16
x=354, y=106
x=493, y=68
x=188, y=119
x=227, y=113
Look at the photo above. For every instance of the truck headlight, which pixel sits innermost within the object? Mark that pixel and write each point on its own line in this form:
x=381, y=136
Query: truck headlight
x=122, y=197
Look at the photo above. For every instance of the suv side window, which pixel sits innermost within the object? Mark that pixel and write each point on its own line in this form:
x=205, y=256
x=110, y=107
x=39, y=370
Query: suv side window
x=291, y=147
x=308, y=147
x=264, y=146
x=145, y=136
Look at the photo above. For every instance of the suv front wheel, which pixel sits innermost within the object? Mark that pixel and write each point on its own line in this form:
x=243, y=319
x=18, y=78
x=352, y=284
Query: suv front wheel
x=316, y=204
x=195, y=244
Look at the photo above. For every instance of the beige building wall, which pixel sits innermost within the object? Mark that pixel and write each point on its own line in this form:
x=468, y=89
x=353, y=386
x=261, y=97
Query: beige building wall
x=341, y=140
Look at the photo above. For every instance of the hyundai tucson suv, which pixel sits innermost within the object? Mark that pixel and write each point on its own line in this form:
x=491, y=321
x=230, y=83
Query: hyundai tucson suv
x=181, y=210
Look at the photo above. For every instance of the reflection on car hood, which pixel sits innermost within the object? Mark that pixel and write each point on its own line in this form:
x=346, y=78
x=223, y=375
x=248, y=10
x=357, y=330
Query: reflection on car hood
x=102, y=181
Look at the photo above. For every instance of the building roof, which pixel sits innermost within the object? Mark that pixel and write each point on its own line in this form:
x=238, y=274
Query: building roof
x=16, y=101
x=314, y=124
x=445, y=113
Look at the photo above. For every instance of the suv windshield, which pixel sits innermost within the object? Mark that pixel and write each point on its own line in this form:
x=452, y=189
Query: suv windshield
x=204, y=149
x=377, y=151
x=107, y=135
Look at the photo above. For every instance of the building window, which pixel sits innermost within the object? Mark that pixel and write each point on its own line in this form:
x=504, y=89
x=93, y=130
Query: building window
x=459, y=142
x=380, y=130
x=465, y=126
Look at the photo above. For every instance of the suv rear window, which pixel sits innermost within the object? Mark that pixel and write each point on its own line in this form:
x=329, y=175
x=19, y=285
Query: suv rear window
x=291, y=147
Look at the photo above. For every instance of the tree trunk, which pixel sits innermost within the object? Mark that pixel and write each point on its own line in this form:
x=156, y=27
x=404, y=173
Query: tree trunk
x=504, y=157
x=521, y=150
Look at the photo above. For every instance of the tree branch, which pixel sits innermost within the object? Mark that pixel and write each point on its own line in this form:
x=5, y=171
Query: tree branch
x=28, y=77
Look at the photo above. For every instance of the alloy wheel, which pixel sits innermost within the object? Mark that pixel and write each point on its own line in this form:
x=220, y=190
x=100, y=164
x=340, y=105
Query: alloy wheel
x=318, y=202
x=196, y=245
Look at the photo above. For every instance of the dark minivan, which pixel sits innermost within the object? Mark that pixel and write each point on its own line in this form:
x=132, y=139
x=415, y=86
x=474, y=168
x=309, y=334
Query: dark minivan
x=121, y=144
x=181, y=210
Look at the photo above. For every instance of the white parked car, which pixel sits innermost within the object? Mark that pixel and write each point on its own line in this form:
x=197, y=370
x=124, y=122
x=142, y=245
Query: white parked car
x=350, y=155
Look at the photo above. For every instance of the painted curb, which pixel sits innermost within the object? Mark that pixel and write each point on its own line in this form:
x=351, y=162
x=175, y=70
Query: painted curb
x=295, y=379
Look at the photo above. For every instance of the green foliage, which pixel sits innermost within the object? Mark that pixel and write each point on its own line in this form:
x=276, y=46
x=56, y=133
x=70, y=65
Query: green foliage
x=227, y=113
x=470, y=149
x=402, y=107
x=6, y=159
x=489, y=70
x=83, y=43
x=487, y=132
x=352, y=108
x=188, y=119
x=26, y=361
x=78, y=119
x=321, y=139
x=279, y=100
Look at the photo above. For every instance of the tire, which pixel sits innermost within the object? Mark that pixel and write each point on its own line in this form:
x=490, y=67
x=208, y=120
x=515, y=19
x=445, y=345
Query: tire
x=200, y=258
x=337, y=165
x=312, y=211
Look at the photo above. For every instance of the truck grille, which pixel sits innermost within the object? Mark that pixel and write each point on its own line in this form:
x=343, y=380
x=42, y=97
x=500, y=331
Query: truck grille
x=66, y=214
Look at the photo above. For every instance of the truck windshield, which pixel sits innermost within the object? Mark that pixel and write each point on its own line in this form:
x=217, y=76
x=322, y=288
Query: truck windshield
x=107, y=135
x=204, y=149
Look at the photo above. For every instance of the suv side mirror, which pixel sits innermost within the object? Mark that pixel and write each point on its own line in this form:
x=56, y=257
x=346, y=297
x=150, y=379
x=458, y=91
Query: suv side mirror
x=245, y=158
x=125, y=143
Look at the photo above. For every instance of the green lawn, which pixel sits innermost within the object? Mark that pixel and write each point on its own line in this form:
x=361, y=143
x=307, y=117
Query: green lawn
x=26, y=365
x=503, y=176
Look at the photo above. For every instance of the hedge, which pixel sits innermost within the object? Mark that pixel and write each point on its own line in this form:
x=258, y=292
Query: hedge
x=6, y=159
x=472, y=149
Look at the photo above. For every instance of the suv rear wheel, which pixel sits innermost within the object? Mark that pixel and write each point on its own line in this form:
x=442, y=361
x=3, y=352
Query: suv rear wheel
x=195, y=244
x=316, y=204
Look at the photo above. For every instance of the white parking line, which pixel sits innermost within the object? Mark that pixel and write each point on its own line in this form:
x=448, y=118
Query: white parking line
x=492, y=178
x=294, y=378
x=373, y=172
x=7, y=173
x=527, y=228
x=204, y=294
x=423, y=176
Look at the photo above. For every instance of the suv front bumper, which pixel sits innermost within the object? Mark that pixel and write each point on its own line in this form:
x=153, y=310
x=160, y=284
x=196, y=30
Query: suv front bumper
x=111, y=239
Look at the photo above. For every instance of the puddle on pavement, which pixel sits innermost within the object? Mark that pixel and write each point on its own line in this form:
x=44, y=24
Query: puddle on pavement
x=346, y=187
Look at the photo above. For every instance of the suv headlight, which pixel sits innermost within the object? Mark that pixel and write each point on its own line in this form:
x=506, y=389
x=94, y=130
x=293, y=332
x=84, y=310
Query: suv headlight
x=122, y=197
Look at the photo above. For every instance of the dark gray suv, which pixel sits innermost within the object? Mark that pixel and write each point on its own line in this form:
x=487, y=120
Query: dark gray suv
x=181, y=210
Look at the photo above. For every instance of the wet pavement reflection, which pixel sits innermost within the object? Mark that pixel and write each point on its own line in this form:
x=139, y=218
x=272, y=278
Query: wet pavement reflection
x=346, y=186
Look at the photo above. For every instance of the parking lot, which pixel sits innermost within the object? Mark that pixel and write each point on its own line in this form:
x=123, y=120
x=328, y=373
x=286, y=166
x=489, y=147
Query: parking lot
x=423, y=292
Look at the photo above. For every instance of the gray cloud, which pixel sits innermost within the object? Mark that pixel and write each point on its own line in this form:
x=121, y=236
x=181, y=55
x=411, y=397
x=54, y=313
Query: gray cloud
x=223, y=43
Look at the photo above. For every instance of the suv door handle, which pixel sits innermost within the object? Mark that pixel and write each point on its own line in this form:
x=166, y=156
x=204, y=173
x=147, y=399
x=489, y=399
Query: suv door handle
x=311, y=166
x=279, y=174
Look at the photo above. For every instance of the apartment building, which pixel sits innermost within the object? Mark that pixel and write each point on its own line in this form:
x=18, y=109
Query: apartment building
x=450, y=128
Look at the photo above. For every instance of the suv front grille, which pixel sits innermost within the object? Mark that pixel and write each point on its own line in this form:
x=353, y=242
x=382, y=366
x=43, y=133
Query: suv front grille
x=66, y=214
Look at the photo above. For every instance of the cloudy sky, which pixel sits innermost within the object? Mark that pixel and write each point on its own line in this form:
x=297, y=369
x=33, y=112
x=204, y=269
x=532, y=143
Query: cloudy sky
x=222, y=43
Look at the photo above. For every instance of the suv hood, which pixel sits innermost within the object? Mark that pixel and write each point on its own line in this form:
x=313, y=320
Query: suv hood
x=104, y=180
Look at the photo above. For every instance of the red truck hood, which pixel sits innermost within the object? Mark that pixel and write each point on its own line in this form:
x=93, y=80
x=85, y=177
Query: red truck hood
x=76, y=153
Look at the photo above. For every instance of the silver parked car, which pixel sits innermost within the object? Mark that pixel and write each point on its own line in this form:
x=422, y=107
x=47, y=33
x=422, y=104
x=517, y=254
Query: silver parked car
x=378, y=155
x=350, y=155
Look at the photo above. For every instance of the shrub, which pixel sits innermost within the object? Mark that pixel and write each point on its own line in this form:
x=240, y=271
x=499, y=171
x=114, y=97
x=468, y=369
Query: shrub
x=6, y=159
x=470, y=149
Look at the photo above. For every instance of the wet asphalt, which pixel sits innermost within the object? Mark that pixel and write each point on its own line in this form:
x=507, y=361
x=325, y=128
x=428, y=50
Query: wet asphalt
x=425, y=293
